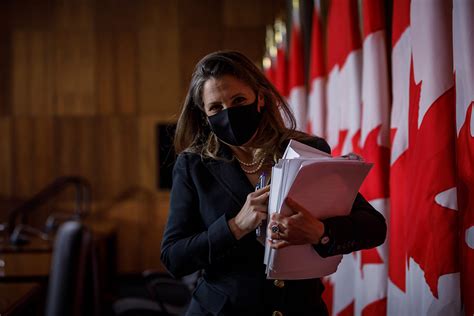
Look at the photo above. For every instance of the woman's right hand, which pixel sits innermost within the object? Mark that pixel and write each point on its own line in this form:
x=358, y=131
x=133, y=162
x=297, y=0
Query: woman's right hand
x=252, y=213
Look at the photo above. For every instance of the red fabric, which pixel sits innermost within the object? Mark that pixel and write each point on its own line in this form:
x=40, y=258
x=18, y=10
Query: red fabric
x=466, y=206
x=431, y=169
x=270, y=74
x=401, y=19
x=281, y=72
x=372, y=15
x=377, y=308
x=296, y=58
x=348, y=311
x=328, y=294
x=398, y=175
x=317, y=61
x=343, y=31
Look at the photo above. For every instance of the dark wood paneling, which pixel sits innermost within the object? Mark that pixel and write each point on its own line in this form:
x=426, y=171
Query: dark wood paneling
x=127, y=72
x=75, y=72
x=43, y=130
x=40, y=74
x=84, y=83
x=23, y=162
x=106, y=84
x=6, y=150
x=19, y=78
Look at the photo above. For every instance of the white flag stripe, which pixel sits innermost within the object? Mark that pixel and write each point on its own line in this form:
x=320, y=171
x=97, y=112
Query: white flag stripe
x=401, y=55
x=316, y=110
x=297, y=101
x=350, y=100
x=333, y=116
x=463, y=40
x=432, y=55
x=375, y=98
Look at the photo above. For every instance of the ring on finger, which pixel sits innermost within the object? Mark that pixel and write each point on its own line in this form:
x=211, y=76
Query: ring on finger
x=275, y=229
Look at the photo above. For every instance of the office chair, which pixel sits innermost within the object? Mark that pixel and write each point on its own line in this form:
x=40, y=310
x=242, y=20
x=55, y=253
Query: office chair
x=168, y=296
x=69, y=264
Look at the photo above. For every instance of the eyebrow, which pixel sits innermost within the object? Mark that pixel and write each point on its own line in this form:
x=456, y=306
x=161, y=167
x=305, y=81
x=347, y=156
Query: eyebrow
x=240, y=94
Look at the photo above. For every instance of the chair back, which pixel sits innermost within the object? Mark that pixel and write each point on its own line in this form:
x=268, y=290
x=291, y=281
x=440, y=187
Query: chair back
x=70, y=260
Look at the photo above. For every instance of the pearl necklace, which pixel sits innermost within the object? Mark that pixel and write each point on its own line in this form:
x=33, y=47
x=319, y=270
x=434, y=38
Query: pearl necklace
x=247, y=164
x=252, y=171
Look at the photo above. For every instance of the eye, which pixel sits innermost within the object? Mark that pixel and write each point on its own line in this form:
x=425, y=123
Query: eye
x=240, y=101
x=214, y=109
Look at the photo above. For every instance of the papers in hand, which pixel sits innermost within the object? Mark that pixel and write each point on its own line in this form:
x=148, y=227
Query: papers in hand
x=323, y=185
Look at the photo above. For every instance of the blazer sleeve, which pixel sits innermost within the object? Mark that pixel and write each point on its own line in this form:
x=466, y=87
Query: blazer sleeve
x=187, y=244
x=363, y=228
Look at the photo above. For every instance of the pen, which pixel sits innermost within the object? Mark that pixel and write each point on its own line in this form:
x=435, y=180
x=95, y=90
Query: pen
x=260, y=184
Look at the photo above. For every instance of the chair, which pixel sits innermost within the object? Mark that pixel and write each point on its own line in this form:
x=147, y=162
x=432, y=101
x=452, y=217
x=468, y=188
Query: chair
x=18, y=228
x=168, y=296
x=67, y=293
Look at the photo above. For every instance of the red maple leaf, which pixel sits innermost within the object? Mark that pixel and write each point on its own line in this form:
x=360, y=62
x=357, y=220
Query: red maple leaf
x=466, y=207
x=398, y=170
x=337, y=151
x=328, y=294
x=431, y=229
x=398, y=222
x=375, y=186
x=378, y=307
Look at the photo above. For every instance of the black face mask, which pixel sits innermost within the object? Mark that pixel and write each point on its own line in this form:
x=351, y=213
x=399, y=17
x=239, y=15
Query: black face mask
x=236, y=125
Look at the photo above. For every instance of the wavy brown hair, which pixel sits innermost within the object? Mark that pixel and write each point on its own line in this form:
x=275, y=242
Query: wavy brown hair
x=193, y=133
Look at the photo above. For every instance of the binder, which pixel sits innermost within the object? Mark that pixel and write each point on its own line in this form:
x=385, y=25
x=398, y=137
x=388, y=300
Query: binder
x=323, y=185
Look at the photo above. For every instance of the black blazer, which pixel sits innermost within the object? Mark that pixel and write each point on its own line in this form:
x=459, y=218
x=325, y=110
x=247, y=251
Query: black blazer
x=206, y=193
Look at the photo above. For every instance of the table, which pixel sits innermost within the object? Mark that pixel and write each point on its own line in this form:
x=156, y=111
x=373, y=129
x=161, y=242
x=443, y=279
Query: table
x=24, y=266
x=20, y=299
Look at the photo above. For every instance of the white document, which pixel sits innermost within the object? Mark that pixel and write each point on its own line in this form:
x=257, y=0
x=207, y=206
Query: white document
x=324, y=186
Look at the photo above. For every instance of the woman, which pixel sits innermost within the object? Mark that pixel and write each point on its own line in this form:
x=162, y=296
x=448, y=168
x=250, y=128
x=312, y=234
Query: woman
x=230, y=131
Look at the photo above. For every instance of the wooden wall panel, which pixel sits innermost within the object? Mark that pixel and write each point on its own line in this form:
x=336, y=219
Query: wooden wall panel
x=30, y=14
x=75, y=72
x=238, y=39
x=76, y=148
x=5, y=59
x=147, y=153
x=74, y=14
x=105, y=72
x=117, y=152
x=109, y=159
x=40, y=74
x=126, y=48
x=20, y=73
x=251, y=13
x=23, y=164
x=160, y=79
x=6, y=150
x=43, y=130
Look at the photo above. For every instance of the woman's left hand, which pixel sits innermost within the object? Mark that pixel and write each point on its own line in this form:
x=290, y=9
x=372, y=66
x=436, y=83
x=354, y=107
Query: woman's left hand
x=295, y=229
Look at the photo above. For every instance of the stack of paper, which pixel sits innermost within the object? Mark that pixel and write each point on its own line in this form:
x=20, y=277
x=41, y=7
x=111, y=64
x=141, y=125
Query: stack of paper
x=323, y=185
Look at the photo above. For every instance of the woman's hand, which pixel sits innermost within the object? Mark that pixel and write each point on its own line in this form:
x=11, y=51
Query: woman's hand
x=252, y=213
x=296, y=229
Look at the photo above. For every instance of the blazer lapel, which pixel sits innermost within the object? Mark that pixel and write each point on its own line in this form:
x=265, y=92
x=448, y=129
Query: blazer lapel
x=230, y=176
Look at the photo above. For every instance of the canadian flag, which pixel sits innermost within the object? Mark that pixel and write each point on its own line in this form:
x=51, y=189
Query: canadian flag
x=297, y=89
x=423, y=267
x=371, y=276
x=343, y=125
x=281, y=65
x=316, y=106
x=269, y=59
x=463, y=43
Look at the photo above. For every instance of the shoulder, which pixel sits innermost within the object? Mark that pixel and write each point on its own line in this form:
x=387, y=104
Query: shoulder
x=310, y=140
x=186, y=161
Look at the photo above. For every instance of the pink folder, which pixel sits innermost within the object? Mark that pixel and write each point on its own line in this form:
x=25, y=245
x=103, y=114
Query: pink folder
x=324, y=186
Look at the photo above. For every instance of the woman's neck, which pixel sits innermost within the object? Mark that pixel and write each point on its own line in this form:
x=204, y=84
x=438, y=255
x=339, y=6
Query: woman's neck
x=245, y=154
